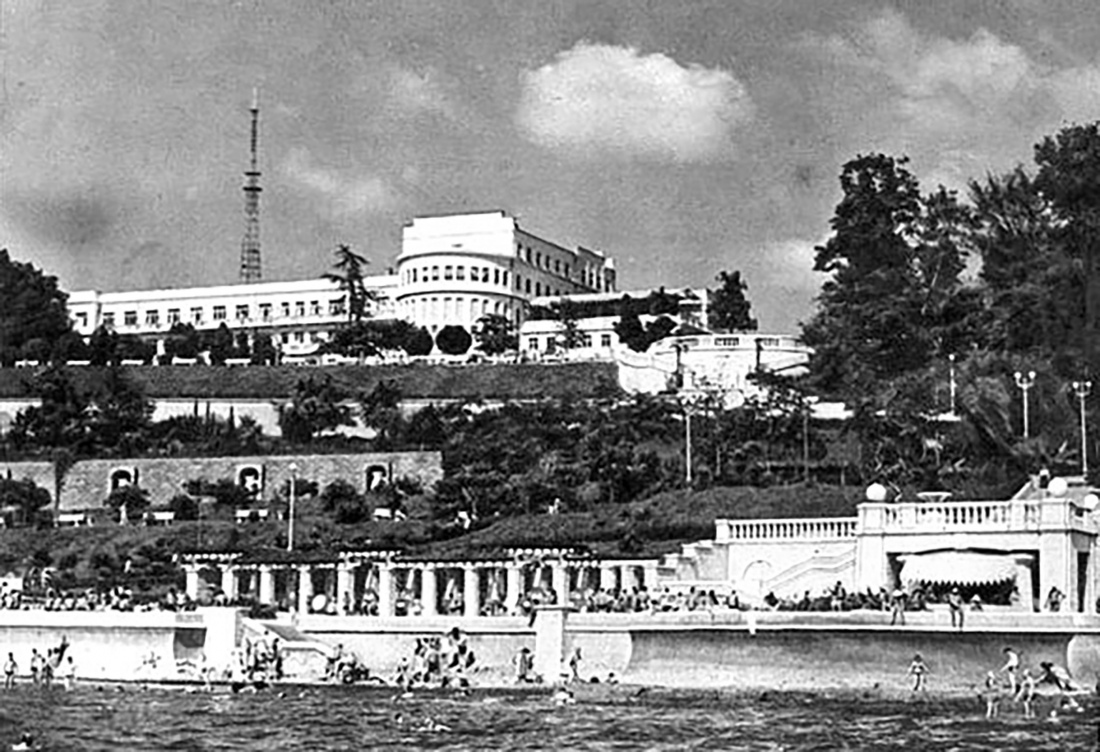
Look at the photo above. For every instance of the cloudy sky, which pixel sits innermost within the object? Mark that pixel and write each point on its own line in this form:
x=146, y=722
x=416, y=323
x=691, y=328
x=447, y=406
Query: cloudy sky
x=682, y=137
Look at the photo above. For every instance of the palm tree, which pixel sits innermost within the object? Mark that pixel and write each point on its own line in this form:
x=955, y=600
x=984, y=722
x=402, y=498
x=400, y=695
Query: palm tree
x=349, y=276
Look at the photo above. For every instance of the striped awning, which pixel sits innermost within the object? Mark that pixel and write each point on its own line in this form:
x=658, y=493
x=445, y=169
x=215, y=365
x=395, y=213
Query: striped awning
x=958, y=567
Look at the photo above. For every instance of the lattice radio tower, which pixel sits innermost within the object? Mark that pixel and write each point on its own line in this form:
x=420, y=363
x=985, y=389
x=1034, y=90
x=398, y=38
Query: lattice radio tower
x=250, y=243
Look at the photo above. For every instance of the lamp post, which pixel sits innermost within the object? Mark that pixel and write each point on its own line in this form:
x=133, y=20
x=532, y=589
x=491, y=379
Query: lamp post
x=1025, y=382
x=1082, y=390
x=290, y=520
x=951, y=381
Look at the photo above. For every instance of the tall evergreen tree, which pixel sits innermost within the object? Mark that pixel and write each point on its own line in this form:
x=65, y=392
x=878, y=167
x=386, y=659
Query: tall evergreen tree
x=729, y=309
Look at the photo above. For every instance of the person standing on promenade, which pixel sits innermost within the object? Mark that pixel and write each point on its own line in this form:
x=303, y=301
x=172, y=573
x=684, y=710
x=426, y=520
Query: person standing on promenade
x=69, y=674
x=10, y=669
x=36, y=665
x=918, y=669
x=1011, y=667
x=897, y=603
x=955, y=604
x=575, y=665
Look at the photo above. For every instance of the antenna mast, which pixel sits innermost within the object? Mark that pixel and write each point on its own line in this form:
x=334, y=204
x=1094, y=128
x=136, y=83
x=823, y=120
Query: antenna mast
x=250, y=244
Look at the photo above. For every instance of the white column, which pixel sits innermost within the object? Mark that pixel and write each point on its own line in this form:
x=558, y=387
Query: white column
x=191, y=572
x=470, y=591
x=267, y=584
x=559, y=577
x=649, y=577
x=513, y=583
x=385, y=589
x=305, y=588
x=607, y=577
x=229, y=581
x=428, y=590
x=343, y=587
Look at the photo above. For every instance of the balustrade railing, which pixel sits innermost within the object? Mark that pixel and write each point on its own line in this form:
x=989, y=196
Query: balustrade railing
x=1000, y=516
x=804, y=528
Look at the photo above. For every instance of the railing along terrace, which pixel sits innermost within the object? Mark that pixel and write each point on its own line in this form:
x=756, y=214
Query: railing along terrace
x=797, y=528
x=923, y=516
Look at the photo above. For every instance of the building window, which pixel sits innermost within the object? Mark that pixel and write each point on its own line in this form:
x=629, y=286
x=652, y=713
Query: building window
x=152, y=318
x=505, y=275
x=538, y=290
x=242, y=313
x=284, y=310
x=300, y=308
x=527, y=284
x=557, y=266
x=726, y=341
x=285, y=338
x=767, y=341
x=196, y=315
x=413, y=275
x=533, y=343
x=448, y=272
x=336, y=307
x=496, y=276
x=265, y=311
x=605, y=340
x=538, y=259
x=314, y=308
x=219, y=313
x=567, y=270
x=528, y=254
x=460, y=273
x=173, y=316
x=109, y=320
x=435, y=274
x=130, y=318
x=82, y=320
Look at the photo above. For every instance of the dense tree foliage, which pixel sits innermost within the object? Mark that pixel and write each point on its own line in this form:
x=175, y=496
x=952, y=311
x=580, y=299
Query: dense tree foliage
x=495, y=334
x=349, y=274
x=317, y=405
x=33, y=315
x=729, y=309
x=453, y=340
x=23, y=501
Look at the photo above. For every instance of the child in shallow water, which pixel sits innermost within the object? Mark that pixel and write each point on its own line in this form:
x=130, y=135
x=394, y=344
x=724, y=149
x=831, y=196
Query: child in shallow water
x=918, y=669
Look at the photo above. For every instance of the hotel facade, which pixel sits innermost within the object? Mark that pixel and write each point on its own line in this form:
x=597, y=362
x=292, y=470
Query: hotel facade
x=451, y=270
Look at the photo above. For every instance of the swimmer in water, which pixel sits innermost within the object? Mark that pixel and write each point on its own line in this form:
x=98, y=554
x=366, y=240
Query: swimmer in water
x=25, y=743
x=432, y=726
x=992, y=695
x=1026, y=693
x=564, y=696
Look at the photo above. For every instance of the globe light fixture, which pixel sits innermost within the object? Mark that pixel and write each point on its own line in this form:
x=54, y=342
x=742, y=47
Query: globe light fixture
x=876, y=492
x=1058, y=488
x=1025, y=382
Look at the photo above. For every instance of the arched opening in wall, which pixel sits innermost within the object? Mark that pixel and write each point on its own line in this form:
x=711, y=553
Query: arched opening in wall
x=120, y=477
x=377, y=477
x=754, y=580
x=251, y=478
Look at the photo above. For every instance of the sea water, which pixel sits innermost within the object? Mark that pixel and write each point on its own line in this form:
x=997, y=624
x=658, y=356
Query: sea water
x=312, y=719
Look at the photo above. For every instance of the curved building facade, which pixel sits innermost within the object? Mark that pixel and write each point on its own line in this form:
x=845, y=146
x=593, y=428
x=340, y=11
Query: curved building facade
x=456, y=269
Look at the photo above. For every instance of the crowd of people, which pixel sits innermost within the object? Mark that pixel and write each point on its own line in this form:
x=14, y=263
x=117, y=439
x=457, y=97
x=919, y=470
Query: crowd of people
x=42, y=668
x=1013, y=682
x=443, y=661
x=117, y=598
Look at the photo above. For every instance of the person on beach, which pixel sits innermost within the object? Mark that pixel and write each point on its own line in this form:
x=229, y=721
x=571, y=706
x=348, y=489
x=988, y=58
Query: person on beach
x=10, y=669
x=69, y=674
x=955, y=605
x=1011, y=667
x=918, y=669
x=575, y=665
x=1026, y=693
x=524, y=666
x=564, y=696
x=36, y=666
x=897, y=604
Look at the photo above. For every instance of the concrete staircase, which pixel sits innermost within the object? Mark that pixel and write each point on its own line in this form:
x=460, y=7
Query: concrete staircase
x=304, y=658
x=700, y=565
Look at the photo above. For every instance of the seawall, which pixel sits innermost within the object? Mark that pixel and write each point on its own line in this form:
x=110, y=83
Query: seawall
x=755, y=650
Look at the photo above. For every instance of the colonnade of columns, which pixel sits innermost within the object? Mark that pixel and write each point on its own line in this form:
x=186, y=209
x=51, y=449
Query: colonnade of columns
x=385, y=587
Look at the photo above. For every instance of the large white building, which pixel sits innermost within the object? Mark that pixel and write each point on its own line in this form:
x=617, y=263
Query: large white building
x=451, y=270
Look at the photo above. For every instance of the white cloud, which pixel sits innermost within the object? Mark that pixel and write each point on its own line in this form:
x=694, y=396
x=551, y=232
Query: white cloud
x=615, y=100
x=344, y=195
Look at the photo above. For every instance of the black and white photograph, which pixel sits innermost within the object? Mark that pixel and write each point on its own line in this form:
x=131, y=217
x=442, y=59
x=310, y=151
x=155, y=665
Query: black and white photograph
x=549, y=375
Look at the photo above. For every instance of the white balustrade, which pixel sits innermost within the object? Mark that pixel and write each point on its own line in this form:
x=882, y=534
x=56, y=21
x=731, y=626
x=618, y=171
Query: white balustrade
x=951, y=516
x=803, y=528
